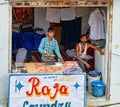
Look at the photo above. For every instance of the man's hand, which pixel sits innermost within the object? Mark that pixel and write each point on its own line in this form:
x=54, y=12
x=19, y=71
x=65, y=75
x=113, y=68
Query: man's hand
x=88, y=65
x=101, y=52
x=62, y=61
x=47, y=54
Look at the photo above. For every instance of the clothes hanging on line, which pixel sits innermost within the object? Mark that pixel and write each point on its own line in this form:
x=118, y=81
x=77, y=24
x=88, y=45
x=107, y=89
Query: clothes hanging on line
x=53, y=15
x=67, y=14
x=57, y=14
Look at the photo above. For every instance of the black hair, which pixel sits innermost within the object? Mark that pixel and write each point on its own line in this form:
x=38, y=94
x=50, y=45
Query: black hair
x=83, y=35
x=50, y=29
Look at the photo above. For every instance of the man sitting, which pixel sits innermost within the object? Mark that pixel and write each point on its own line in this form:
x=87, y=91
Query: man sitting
x=81, y=53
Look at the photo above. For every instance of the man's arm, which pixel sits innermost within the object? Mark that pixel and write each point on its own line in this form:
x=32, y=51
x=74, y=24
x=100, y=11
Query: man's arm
x=57, y=51
x=41, y=47
x=96, y=48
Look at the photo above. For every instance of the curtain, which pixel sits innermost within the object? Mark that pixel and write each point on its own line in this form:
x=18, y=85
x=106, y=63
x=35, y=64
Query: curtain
x=71, y=31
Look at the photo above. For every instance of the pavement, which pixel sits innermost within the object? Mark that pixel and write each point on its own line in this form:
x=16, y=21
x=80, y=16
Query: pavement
x=92, y=101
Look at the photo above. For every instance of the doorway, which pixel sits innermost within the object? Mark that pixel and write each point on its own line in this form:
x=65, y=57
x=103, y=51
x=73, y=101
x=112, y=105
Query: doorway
x=105, y=70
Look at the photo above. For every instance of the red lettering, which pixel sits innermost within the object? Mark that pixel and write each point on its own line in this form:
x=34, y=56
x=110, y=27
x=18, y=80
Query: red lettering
x=56, y=87
x=46, y=90
x=35, y=84
x=64, y=90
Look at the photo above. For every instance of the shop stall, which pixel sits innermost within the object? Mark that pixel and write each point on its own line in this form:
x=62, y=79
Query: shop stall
x=58, y=85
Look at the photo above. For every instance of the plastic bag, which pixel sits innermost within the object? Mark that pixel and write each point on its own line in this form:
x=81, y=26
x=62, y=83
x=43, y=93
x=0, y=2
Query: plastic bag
x=94, y=73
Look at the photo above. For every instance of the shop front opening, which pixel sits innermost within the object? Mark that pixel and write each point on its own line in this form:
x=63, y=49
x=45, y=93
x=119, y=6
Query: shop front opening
x=30, y=24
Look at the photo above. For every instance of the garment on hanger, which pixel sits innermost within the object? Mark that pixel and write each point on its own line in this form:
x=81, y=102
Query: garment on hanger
x=102, y=13
x=98, y=24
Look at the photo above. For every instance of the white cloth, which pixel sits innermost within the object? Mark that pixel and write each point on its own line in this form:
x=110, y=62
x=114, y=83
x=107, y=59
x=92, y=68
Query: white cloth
x=21, y=54
x=97, y=22
x=53, y=15
x=84, y=53
x=57, y=14
x=67, y=14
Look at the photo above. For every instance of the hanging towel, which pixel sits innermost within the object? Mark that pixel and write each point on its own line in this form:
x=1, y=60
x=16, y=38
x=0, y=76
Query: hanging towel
x=67, y=14
x=53, y=15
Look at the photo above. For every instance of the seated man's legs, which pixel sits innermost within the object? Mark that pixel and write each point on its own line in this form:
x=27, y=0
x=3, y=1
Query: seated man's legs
x=83, y=67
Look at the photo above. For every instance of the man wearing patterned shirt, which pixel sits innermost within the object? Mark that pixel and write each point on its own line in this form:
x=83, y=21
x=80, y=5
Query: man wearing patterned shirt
x=49, y=46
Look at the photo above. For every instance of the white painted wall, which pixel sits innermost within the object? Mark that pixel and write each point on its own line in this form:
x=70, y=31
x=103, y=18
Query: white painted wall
x=85, y=25
x=39, y=18
x=4, y=48
x=115, y=78
x=116, y=28
x=100, y=64
x=115, y=66
x=3, y=1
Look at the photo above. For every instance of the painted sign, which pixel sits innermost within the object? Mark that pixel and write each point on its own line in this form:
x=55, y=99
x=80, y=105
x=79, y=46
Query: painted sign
x=35, y=90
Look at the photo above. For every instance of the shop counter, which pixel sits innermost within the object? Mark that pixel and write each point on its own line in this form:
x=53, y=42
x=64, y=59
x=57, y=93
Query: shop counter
x=47, y=86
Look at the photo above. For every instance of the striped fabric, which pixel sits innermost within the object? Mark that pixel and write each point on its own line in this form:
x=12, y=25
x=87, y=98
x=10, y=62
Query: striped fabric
x=46, y=46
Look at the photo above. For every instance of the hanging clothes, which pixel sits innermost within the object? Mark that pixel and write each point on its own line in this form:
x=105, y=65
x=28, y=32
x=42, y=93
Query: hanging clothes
x=97, y=23
x=56, y=14
x=67, y=14
x=53, y=15
x=71, y=31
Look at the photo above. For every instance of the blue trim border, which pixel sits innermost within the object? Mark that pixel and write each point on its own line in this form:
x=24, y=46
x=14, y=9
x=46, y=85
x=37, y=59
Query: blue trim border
x=10, y=75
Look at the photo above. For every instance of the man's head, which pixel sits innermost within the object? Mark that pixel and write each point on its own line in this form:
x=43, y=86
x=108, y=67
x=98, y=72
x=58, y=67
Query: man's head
x=51, y=32
x=83, y=39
